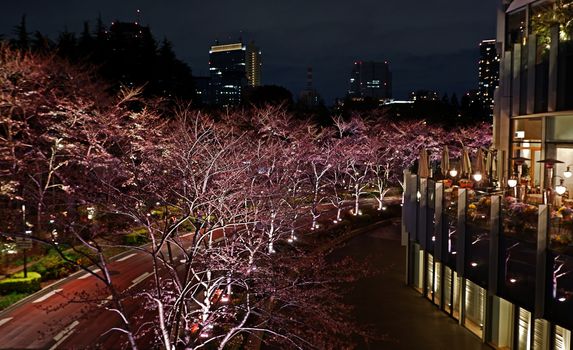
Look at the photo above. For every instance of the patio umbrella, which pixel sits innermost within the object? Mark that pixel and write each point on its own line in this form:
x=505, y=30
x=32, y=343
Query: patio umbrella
x=423, y=164
x=445, y=164
x=480, y=162
x=491, y=163
x=466, y=164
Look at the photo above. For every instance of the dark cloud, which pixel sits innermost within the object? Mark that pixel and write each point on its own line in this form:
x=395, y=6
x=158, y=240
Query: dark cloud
x=430, y=44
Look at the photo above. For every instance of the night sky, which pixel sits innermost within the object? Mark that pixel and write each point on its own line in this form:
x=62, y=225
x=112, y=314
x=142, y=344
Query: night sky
x=430, y=44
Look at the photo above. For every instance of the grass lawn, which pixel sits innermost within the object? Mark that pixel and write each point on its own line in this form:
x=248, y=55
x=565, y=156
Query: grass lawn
x=7, y=300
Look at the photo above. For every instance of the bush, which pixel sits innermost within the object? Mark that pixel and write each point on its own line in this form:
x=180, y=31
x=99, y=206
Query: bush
x=136, y=237
x=52, y=266
x=20, y=284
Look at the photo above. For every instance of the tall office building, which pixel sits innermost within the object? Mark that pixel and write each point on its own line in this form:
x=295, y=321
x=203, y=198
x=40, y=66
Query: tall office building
x=309, y=97
x=233, y=68
x=488, y=73
x=370, y=79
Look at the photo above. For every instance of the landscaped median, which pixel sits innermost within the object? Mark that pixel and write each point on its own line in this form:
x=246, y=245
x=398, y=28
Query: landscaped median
x=17, y=287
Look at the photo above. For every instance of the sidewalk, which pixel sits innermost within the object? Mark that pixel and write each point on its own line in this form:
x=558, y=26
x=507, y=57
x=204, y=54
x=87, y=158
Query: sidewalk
x=398, y=313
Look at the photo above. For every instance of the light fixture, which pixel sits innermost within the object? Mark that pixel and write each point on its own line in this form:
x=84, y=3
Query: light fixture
x=560, y=189
x=453, y=172
x=474, y=264
x=562, y=299
x=477, y=177
x=567, y=173
x=512, y=280
x=512, y=183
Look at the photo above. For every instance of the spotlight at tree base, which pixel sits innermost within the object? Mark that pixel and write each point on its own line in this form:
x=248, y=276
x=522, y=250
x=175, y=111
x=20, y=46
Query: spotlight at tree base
x=512, y=280
x=562, y=299
x=474, y=264
x=335, y=221
x=225, y=298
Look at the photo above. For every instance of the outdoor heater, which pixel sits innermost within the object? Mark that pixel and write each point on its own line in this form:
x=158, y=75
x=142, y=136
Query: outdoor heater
x=548, y=196
x=519, y=192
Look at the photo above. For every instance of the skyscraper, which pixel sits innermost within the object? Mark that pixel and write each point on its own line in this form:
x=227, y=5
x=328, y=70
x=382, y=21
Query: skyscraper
x=309, y=97
x=488, y=73
x=233, y=67
x=370, y=79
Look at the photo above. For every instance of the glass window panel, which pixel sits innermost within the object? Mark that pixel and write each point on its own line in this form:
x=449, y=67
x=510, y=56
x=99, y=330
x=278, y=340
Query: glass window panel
x=523, y=329
x=430, y=277
x=527, y=130
x=560, y=128
x=562, y=339
x=457, y=293
x=540, y=335
x=515, y=28
x=475, y=298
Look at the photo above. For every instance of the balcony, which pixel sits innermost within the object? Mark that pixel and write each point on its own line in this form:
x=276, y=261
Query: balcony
x=518, y=250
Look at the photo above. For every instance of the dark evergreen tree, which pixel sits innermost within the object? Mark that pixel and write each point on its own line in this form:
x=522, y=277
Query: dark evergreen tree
x=22, y=40
x=445, y=99
x=67, y=45
x=86, y=42
x=454, y=101
x=41, y=43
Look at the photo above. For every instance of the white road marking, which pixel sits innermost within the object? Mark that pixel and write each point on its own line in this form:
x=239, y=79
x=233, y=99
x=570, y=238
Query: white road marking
x=87, y=274
x=139, y=279
x=5, y=320
x=103, y=302
x=127, y=257
x=42, y=298
x=64, y=334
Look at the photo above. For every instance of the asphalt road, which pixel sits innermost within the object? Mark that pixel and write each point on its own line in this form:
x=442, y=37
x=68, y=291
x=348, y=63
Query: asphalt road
x=55, y=318
x=60, y=318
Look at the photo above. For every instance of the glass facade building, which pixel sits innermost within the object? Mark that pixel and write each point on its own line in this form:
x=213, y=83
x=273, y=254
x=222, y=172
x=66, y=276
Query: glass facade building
x=488, y=73
x=233, y=68
x=370, y=80
x=501, y=261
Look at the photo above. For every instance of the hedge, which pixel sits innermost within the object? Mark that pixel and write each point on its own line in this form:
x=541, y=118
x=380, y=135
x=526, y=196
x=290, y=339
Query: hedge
x=52, y=266
x=18, y=284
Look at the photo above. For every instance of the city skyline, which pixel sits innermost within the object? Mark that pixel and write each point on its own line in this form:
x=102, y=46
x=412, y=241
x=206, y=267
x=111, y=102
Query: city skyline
x=414, y=42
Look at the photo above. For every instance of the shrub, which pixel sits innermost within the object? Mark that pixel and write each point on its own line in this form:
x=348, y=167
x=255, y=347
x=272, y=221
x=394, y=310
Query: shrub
x=20, y=284
x=52, y=266
x=136, y=237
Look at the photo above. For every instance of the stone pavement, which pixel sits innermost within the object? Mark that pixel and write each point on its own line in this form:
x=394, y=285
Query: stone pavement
x=394, y=310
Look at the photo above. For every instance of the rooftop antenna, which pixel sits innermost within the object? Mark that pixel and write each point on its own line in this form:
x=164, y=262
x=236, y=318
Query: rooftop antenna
x=137, y=16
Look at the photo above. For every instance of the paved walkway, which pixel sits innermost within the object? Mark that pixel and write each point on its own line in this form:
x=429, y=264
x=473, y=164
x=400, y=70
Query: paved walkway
x=397, y=312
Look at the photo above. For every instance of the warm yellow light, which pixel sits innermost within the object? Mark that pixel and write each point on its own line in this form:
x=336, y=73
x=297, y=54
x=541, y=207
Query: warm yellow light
x=477, y=177
x=453, y=172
